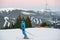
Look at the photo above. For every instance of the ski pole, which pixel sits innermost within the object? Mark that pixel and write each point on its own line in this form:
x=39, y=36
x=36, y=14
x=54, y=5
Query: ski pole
x=30, y=34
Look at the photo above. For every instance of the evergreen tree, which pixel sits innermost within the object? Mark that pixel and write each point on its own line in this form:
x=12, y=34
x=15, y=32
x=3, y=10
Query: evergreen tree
x=12, y=26
x=17, y=24
x=28, y=22
x=6, y=27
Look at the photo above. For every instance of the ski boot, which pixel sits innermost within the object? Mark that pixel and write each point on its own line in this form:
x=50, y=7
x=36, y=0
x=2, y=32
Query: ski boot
x=26, y=38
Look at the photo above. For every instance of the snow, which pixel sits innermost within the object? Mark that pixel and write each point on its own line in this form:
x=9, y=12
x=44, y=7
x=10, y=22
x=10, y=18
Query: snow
x=33, y=34
x=10, y=9
x=6, y=9
x=26, y=13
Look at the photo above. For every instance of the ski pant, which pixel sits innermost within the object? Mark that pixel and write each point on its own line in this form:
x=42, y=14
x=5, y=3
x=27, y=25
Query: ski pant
x=24, y=32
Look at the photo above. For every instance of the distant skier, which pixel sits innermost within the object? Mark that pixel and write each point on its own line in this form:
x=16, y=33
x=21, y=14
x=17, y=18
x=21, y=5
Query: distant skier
x=23, y=25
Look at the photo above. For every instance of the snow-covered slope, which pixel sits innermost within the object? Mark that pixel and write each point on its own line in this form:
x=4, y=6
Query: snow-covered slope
x=6, y=9
x=10, y=9
x=33, y=34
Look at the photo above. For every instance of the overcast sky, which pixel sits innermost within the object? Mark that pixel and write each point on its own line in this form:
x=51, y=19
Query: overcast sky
x=30, y=4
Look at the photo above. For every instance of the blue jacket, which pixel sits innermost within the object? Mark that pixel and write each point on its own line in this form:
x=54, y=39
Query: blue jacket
x=23, y=25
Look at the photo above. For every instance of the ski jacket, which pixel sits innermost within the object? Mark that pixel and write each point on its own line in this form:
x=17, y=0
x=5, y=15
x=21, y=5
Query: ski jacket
x=23, y=25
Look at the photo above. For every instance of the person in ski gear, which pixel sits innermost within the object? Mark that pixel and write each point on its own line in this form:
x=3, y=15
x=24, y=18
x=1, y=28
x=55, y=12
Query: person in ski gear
x=23, y=26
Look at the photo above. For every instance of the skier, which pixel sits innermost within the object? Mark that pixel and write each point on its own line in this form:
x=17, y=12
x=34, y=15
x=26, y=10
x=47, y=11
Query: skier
x=23, y=25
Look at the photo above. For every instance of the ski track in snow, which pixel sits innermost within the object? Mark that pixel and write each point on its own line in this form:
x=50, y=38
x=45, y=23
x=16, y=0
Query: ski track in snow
x=33, y=34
